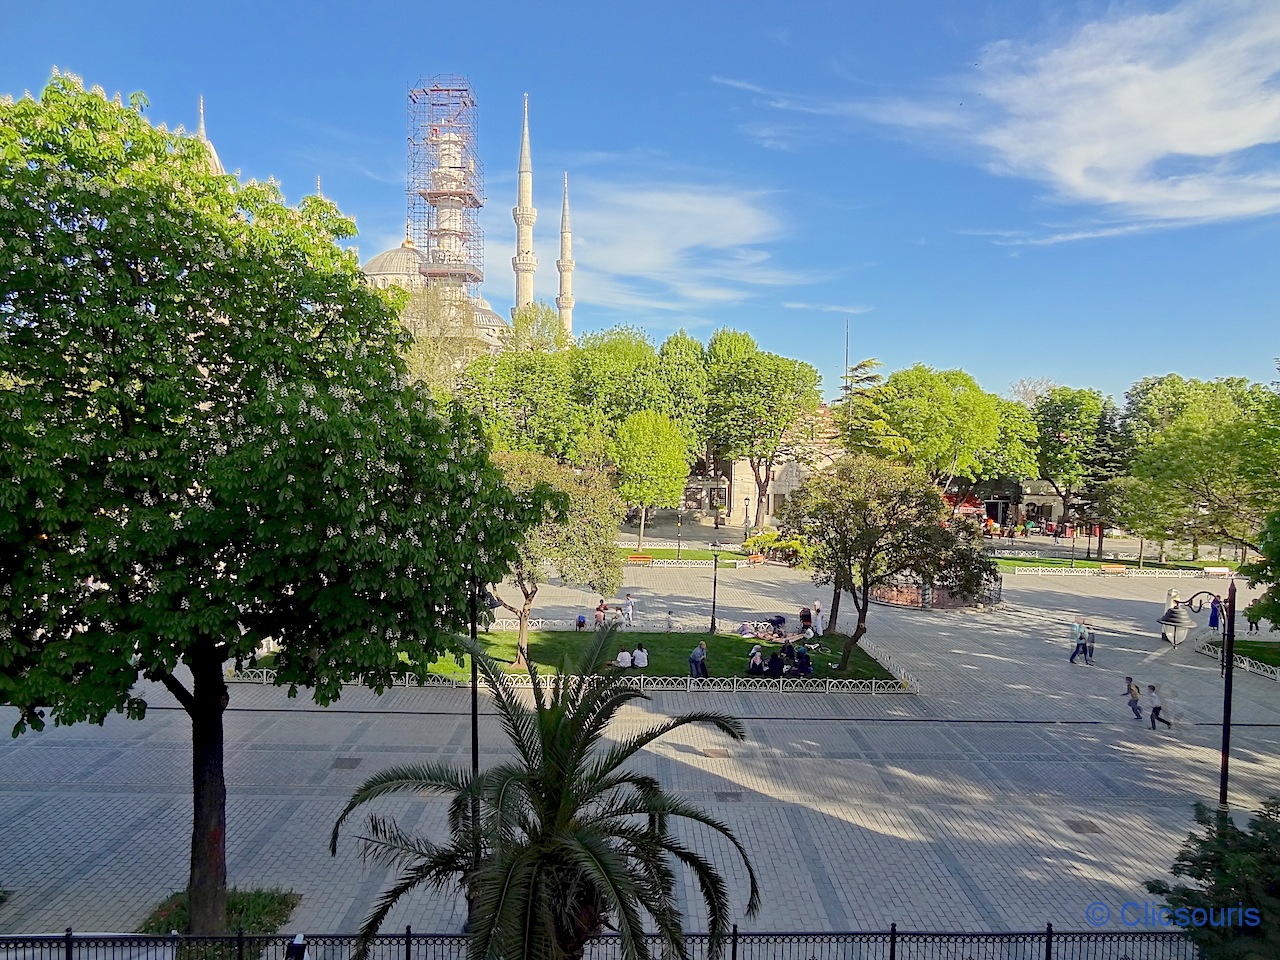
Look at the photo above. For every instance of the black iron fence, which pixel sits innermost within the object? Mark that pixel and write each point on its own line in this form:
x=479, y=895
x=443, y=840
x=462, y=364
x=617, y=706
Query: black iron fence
x=892, y=944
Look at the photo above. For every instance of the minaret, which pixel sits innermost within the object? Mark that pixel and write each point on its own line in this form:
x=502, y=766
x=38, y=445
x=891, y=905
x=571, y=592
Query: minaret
x=565, y=266
x=524, y=262
x=215, y=165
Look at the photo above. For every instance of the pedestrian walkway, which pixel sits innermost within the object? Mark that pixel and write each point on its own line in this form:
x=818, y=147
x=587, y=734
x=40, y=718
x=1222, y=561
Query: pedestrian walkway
x=1014, y=791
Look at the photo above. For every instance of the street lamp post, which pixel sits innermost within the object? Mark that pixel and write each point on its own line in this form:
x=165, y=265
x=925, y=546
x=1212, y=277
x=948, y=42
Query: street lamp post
x=715, y=580
x=1177, y=618
x=475, y=738
x=679, y=524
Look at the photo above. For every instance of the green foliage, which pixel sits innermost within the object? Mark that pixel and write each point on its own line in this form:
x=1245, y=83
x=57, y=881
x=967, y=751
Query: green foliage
x=1265, y=571
x=651, y=457
x=526, y=401
x=445, y=338
x=256, y=912
x=1067, y=423
x=1212, y=454
x=207, y=443
x=944, y=420
x=568, y=839
x=616, y=373
x=682, y=367
x=577, y=537
x=776, y=545
x=1230, y=869
x=870, y=521
x=536, y=328
x=755, y=403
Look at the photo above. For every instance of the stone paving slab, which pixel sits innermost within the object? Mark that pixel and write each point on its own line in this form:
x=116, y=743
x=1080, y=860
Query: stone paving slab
x=948, y=810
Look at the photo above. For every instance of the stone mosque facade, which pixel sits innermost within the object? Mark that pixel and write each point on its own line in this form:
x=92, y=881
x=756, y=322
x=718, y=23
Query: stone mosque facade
x=408, y=267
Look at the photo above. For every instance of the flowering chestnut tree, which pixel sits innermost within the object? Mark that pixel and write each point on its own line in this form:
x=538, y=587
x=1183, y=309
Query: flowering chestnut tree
x=206, y=441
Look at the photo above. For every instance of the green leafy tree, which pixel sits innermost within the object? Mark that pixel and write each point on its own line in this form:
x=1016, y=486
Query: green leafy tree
x=1232, y=870
x=445, y=336
x=944, y=420
x=682, y=367
x=1205, y=456
x=526, y=401
x=1067, y=429
x=1265, y=571
x=616, y=374
x=861, y=422
x=565, y=841
x=576, y=541
x=755, y=402
x=536, y=328
x=870, y=521
x=206, y=444
x=651, y=456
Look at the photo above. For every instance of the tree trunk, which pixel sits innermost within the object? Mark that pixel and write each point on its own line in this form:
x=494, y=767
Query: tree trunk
x=522, y=639
x=1142, y=546
x=207, y=883
x=640, y=537
x=859, y=631
x=833, y=609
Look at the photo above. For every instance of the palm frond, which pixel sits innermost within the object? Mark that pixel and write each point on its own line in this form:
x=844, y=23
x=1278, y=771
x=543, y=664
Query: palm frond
x=413, y=778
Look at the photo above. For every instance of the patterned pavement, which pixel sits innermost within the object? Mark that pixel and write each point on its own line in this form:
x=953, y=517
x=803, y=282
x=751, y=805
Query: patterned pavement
x=1014, y=791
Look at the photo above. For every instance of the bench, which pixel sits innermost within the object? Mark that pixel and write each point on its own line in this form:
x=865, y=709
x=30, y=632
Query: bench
x=643, y=559
x=1217, y=572
x=755, y=558
x=1109, y=569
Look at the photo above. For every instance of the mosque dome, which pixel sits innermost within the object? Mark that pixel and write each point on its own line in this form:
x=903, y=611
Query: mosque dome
x=486, y=316
x=397, y=267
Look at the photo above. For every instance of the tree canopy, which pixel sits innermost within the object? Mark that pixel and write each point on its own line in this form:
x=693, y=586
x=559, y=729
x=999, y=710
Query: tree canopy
x=651, y=457
x=208, y=443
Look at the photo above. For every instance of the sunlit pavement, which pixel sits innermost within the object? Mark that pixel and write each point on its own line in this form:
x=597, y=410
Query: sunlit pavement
x=1016, y=790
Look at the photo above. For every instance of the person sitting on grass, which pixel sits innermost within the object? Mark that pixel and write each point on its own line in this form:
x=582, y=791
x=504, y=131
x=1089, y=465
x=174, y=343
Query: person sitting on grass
x=804, y=666
x=623, y=660
x=779, y=624
x=755, y=664
x=640, y=659
x=788, y=651
x=776, y=665
x=746, y=630
x=581, y=622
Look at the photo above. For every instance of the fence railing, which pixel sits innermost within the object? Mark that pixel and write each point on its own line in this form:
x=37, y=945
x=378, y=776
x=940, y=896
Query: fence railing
x=902, y=682
x=1211, y=646
x=891, y=944
x=1098, y=572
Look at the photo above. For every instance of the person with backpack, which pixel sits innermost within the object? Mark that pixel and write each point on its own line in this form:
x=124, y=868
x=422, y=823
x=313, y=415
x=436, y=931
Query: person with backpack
x=1135, y=695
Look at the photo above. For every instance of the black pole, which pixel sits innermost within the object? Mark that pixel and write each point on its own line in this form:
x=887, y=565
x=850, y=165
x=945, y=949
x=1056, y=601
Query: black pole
x=1048, y=941
x=475, y=745
x=1228, y=664
x=715, y=581
x=893, y=941
x=733, y=943
x=1073, y=548
x=679, y=524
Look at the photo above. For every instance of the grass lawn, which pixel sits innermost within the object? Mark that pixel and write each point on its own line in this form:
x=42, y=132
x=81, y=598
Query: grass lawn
x=256, y=912
x=727, y=557
x=668, y=653
x=1262, y=652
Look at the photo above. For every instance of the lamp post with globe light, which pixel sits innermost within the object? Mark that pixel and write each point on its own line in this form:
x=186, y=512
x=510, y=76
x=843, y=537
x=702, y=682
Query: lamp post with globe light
x=1177, y=618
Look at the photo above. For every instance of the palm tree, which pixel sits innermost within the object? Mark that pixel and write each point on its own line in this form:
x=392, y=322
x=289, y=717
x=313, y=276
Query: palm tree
x=562, y=843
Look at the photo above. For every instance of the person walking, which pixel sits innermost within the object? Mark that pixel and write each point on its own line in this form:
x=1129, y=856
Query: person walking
x=1089, y=641
x=1080, y=637
x=818, y=625
x=1215, y=614
x=1154, y=699
x=629, y=611
x=1135, y=695
x=698, y=660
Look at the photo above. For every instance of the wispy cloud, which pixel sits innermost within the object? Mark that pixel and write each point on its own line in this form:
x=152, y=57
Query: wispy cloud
x=1155, y=119
x=829, y=308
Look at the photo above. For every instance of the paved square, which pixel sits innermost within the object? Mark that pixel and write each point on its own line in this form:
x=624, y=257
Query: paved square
x=1014, y=791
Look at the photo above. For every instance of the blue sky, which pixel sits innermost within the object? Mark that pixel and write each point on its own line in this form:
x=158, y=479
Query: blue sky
x=1084, y=191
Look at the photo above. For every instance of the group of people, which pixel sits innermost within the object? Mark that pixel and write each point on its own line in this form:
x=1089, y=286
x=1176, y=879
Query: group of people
x=1134, y=693
x=1082, y=636
x=629, y=659
x=787, y=661
x=625, y=610
x=811, y=625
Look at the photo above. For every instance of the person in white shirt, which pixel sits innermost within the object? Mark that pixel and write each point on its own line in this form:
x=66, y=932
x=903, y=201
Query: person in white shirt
x=629, y=611
x=818, y=625
x=1153, y=701
x=623, y=662
x=640, y=659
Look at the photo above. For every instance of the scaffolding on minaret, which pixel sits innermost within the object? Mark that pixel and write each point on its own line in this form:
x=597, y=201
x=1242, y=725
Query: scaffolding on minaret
x=446, y=184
